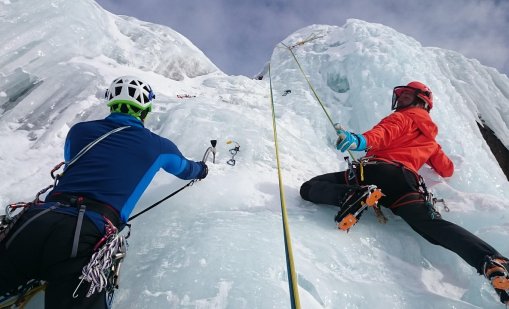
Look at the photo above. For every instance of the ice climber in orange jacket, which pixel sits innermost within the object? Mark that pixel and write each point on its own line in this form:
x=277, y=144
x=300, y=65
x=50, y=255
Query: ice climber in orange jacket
x=397, y=147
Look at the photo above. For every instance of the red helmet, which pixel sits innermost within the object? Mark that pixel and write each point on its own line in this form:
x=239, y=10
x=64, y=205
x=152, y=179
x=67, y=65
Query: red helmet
x=420, y=90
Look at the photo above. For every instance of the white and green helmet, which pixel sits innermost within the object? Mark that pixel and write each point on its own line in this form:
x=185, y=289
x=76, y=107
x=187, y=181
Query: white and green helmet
x=130, y=95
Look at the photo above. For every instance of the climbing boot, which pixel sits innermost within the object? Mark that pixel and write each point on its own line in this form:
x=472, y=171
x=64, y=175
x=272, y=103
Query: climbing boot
x=496, y=271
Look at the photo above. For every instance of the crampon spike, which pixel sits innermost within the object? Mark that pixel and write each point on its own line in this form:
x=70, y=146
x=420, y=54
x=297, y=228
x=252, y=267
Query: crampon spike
x=501, y=283
x=373, y=198
x=347, y=222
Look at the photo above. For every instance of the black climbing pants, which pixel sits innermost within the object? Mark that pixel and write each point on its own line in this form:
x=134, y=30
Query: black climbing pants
x=42, y=251
x=398, y=183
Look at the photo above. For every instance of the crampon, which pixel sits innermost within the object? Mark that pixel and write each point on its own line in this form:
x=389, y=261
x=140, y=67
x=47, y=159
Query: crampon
x=496, y=270
x=355, y=203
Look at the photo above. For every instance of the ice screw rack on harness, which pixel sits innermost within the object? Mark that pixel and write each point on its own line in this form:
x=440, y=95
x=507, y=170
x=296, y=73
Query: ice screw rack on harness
x=431, y=201
x=103, y=270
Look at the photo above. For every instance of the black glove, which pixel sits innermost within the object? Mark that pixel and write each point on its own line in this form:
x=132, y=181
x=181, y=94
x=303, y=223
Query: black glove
x=205, y=170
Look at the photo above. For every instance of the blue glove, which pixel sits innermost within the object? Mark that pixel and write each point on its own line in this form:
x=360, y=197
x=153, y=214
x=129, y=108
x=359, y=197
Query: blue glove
x=348, y=140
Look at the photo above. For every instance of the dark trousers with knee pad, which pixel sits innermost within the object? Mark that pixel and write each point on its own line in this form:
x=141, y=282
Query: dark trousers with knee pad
x=42, y=250
x=397, y=182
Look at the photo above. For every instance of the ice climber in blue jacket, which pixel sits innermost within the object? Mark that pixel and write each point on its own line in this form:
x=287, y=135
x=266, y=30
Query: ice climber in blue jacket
x=51, y=241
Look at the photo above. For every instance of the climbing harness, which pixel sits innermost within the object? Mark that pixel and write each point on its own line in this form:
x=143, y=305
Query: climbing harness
x=8, y=220
x=290, y=265
x=10, y=217
x=417, y=196
x=233, y=151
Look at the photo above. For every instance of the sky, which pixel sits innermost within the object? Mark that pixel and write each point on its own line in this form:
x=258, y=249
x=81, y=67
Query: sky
x=240, y=35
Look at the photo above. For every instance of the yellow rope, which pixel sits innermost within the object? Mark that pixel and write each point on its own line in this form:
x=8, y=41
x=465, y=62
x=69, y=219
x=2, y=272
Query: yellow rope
x=310, y=85
x=314, y=93
x=292, y=278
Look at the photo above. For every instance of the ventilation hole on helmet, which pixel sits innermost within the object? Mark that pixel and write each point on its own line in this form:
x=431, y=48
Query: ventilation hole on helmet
x=145, y=98
x=132, y=91
x=110, y=97
x=118, y=90
x=138, y=98
x=144, y=114
x=135, y=109
x=134, y=82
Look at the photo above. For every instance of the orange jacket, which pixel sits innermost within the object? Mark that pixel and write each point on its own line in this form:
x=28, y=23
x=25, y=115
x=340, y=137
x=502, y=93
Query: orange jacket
x=408, y=137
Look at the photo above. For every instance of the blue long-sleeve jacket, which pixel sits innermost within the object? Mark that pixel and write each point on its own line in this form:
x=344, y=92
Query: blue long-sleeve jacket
x=118, y=169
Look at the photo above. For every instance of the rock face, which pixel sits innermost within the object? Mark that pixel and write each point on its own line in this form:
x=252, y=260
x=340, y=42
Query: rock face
x=500, y=152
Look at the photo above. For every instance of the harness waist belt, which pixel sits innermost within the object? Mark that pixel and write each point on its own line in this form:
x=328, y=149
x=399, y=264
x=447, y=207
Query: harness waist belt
x=77, y=200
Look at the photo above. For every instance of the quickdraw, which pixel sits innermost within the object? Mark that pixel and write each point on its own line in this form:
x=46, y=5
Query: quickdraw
x=10, y=218
x=233, y=151
x=431, y=201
